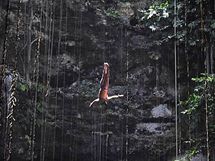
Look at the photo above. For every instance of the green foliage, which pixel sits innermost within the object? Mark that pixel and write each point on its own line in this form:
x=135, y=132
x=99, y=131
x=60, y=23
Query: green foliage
x=192, y=103
x=205, y=87
x=205, y=78
x=194, y=111
x=110, y=12
x=159, y=18
x=23, y=87
x=39, y=87
x=154, y=16
x=188, y=155
x=191, y=153
x=157, y=10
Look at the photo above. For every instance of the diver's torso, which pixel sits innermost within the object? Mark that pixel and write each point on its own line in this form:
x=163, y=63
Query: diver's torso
x=103, y=94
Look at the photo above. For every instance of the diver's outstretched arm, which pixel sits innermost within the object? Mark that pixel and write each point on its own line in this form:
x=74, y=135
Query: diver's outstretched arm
x=96, y=100
x=115, y=96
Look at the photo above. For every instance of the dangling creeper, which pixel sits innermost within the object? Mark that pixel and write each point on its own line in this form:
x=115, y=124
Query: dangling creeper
x=103, y=92
x=1, y=80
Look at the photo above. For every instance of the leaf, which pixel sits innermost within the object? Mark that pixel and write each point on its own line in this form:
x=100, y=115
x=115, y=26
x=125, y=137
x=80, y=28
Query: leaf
x=23, y=87
x=153, y=28
x=151, y=13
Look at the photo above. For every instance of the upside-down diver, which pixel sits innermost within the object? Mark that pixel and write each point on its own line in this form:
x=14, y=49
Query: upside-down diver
x=104, y=85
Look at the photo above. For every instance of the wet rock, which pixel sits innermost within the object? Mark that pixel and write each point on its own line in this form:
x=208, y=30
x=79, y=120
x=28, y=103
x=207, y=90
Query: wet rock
x=138, y=42
x=152, y=128
x=125, y=11
x=161, y=111
x=199, y=157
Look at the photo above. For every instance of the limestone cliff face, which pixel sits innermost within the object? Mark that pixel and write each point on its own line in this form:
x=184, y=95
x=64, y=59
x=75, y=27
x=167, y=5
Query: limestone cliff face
x=77, y=37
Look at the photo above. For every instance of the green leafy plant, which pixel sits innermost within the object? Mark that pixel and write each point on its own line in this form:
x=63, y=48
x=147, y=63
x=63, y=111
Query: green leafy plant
x=112, y=13
x=202, y=97
x=189, y=155
x=205, y=86
x=22, y=86
x=154, y=16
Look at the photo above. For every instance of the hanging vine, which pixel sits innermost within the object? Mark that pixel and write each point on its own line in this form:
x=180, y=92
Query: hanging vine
x=46, y=79
x=5, y=43
x=63, y=115
x=10, y=98
x=35, y=81
x=176, y=88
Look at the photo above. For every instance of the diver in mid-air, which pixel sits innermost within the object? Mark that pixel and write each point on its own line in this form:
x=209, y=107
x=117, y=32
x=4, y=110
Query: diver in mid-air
x=103, y=92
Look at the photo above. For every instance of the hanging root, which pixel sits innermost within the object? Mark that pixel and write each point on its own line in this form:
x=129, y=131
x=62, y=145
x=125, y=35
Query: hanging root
x=10, y=118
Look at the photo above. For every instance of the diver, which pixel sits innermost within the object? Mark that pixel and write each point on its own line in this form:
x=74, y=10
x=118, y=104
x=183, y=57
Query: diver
x=104, y=85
